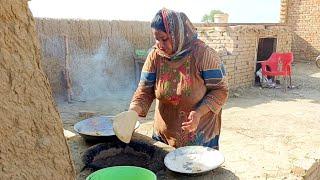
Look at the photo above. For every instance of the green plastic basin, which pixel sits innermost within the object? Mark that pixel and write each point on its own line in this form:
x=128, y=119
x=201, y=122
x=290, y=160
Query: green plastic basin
x=122, y=173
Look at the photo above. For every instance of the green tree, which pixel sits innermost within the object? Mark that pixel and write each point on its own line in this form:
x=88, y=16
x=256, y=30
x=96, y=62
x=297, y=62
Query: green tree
x=209, y=18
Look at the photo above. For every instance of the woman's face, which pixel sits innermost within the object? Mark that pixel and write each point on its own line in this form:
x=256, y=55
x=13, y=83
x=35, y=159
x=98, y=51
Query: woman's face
x=163, y=41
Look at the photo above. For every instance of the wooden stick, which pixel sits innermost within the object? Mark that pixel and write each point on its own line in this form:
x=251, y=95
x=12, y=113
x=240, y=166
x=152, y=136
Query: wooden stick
x=67, y=70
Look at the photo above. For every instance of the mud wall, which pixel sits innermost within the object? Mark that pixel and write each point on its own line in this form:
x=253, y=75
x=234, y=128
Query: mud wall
x=31, y=133
x=302, y=16
x=100, y=54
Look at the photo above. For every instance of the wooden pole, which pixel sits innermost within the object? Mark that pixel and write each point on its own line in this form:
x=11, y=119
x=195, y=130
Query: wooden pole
x=67, y=70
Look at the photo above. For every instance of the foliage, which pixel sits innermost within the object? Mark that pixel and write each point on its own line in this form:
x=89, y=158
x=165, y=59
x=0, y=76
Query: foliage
x=209, y=18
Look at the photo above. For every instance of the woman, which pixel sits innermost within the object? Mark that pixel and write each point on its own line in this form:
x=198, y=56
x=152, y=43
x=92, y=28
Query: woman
x=188, y=81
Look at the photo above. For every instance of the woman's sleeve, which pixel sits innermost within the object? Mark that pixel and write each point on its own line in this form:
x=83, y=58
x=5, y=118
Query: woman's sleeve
x=144, y=95
x=214, y=76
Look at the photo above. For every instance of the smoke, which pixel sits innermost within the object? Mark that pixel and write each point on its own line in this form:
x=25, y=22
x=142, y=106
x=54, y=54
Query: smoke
x=102, y=72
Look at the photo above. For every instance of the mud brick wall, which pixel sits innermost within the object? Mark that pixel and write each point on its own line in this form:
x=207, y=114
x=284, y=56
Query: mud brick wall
x=238, y=45
x=302, y=16
x=98, y=49
x=32, y=144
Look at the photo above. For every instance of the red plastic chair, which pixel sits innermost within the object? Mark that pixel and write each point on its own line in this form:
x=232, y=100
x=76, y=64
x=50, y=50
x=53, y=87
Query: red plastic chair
x=279, y=65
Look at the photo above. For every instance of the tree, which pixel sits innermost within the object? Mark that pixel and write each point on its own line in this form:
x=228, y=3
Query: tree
x=209, y=18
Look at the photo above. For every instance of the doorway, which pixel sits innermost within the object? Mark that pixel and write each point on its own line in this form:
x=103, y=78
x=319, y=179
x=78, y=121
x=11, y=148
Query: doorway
x=266, y=46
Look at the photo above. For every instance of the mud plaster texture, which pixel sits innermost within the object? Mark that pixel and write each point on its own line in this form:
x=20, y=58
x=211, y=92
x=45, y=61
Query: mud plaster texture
x=31, y=133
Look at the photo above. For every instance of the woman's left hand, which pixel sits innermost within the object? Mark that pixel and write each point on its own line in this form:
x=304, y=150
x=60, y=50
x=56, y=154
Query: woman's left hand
x=192, y=124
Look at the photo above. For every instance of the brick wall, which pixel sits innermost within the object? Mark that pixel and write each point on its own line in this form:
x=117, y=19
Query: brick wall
x=302, y=16
x=238, y=45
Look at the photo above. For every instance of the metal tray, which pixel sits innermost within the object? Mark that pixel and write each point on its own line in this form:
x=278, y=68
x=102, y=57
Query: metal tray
x=97, y=128
x=193, y=159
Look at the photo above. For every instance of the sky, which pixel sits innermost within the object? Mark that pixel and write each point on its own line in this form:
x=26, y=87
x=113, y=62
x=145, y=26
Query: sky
x=240, y=11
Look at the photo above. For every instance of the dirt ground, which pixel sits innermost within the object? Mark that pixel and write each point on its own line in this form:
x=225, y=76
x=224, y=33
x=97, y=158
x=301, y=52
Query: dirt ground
x=266, y=133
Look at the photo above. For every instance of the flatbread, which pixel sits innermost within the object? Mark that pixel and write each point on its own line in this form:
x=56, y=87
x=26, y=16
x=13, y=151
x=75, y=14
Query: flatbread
x=123, y=125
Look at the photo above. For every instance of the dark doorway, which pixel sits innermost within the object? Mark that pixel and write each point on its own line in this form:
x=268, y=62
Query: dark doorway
x=266, y=47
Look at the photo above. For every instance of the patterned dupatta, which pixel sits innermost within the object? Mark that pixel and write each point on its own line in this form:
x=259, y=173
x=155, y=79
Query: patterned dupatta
x=181, y=32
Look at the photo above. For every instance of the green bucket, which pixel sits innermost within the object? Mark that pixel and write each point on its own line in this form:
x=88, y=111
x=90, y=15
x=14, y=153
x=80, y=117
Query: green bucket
x=122, y=173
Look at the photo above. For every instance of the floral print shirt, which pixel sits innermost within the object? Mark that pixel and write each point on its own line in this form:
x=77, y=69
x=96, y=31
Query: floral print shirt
x=180, y=86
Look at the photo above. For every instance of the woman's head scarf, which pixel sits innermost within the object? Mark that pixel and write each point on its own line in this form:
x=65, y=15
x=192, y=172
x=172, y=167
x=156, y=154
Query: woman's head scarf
x=181, y=32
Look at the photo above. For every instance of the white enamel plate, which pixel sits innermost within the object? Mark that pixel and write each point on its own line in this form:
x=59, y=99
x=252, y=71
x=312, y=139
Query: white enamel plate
x=193, y=159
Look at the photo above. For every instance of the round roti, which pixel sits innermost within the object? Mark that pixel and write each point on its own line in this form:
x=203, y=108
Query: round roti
x=123, y=125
